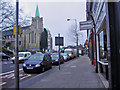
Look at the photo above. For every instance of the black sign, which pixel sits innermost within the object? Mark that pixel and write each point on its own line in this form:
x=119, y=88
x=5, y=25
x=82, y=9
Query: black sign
x=59, y=41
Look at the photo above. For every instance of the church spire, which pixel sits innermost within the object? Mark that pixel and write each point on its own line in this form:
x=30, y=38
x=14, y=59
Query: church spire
x=37, y=12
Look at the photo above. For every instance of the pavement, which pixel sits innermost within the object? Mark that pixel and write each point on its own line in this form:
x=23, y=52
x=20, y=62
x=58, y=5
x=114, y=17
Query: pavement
x=79, y=73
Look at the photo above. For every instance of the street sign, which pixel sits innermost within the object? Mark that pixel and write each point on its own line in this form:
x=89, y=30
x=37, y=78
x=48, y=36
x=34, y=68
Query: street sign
x=32, y=48
x=85, y=25
x=59, y=41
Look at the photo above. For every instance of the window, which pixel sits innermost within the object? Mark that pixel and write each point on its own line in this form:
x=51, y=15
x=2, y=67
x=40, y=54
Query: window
x=102, y=45
x=35, y=37
x=29, y=37
x=32, y=39
x=25, y=55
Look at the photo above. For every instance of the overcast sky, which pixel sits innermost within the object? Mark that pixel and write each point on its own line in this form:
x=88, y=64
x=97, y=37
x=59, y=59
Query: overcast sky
x=55, y=14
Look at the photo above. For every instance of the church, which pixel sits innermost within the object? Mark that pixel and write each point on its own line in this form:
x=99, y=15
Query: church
x=30, y=38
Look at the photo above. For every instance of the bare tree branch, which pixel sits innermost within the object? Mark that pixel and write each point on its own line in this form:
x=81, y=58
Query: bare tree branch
x=72, y=34
x=8, y=16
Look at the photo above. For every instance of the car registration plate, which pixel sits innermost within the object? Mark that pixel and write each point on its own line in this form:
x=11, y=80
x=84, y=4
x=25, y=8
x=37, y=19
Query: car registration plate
x=29, y=67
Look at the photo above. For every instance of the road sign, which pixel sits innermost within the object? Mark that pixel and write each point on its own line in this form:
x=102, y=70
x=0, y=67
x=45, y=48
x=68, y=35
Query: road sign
x=85, y=25
x=59, y=41
x=32, y=48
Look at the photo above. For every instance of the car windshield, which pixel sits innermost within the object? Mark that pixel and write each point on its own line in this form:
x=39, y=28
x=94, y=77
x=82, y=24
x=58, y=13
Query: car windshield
x=68, y=52
x=55, y=55
x=63, y=54
x=21, y=55
x=37, y=57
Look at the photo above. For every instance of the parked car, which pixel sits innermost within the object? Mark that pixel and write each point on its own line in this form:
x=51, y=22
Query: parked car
x=70, y=52
x=66, y=56
x=55, y=58
x=4, y=56
x=37, y=63
x=23, y=56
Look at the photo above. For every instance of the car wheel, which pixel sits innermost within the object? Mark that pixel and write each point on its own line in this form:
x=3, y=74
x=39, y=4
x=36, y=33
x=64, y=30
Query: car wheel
x=43, y=69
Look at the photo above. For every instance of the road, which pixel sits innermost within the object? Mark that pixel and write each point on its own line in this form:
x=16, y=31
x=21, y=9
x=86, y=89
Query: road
x=7, y=75
x=8, y=66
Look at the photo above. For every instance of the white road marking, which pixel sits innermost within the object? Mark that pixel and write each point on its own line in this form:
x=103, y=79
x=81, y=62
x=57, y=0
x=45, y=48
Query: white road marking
x=2, y=83
x=10, y=76
x=73, y=66
x=25, y=77
x=21, y=75
x=9, y=72
x=13, y=77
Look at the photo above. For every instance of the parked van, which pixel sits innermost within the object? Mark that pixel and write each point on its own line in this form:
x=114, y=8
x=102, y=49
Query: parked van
x=23, y=56
x=70, y=52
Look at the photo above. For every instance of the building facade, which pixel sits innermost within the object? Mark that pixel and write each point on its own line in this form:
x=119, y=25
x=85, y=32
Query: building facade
x=49, y=40
x=31, y=36
x=97, y=37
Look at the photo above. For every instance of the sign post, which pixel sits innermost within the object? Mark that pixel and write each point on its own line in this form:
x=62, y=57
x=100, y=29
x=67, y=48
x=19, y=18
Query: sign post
x=59, y=42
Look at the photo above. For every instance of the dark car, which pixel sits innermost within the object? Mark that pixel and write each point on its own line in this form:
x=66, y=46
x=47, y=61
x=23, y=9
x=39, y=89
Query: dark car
x=4, y=56
x=37, y=63
x=55, y=58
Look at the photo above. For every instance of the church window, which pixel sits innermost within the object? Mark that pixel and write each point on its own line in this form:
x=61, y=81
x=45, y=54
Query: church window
x=32, y=37
x=35, y=37
x=29, y=37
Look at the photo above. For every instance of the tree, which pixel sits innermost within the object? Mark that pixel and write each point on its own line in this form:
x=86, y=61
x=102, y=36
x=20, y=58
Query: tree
x=44, y=40
x=74, y=34
x=8, y=13
x=8, y=44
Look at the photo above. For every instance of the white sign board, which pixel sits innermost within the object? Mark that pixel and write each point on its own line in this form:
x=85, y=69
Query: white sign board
x=84, y=25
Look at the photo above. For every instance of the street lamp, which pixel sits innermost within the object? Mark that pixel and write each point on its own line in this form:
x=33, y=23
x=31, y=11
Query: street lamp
x=76, y=35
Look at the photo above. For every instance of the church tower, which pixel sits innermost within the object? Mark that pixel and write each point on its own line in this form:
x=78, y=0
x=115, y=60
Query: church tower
x=33, y=33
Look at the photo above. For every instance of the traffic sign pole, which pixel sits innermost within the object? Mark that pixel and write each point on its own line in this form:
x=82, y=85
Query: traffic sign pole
x=59, y=50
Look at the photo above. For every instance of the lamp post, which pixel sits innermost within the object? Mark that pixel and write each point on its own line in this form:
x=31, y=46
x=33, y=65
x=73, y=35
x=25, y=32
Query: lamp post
x=76, y=35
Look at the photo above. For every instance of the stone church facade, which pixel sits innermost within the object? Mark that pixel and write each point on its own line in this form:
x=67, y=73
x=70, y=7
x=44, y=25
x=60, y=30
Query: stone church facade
x=31, y=36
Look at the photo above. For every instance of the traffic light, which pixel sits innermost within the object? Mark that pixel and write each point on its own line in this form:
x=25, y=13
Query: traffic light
x=19, y=29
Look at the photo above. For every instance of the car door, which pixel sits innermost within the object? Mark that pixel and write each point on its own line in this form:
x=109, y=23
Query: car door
x=48, y=61
x=45, y=61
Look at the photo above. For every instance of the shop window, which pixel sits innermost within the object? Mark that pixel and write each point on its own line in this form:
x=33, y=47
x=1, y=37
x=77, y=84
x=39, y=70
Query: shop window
x=103, y=45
